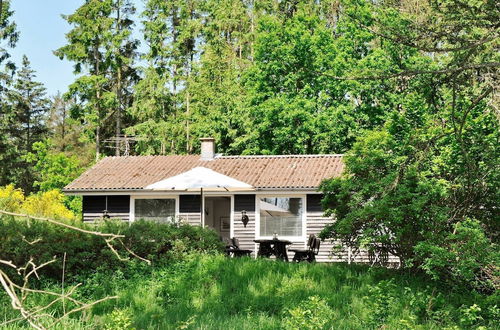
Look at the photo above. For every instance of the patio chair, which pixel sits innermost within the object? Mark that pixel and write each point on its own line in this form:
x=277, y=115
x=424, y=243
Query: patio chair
x=235, y=250
x=228, y=245
x=308, y=254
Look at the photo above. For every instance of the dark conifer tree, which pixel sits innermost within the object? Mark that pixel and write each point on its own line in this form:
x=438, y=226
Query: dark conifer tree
x=29, y=105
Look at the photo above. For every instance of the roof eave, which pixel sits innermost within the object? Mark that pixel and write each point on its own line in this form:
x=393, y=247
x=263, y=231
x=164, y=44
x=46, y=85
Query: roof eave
x=140, y=190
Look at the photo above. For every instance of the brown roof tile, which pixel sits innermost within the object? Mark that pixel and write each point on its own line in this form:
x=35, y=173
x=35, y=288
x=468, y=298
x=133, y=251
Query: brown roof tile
x=262, y=172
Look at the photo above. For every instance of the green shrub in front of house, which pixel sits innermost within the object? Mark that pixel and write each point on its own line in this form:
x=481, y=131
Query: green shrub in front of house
x=24, y=239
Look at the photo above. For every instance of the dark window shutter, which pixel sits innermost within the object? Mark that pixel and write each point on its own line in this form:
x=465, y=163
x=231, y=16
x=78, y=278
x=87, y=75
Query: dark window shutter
x=93, y=204
x=314, y=203
x=119, y=204
x=189, y=204
x=244, y=203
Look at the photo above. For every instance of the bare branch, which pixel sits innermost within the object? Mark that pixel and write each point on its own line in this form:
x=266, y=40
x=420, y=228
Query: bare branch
x=19, y=293
x=32, y=242
x=62, y=224
x=86, y=306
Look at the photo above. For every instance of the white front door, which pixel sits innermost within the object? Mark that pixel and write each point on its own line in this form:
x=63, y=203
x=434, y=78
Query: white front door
x=218, y=214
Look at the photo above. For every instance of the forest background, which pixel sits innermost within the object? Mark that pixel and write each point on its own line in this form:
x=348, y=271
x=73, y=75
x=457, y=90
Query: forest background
x=407, y=89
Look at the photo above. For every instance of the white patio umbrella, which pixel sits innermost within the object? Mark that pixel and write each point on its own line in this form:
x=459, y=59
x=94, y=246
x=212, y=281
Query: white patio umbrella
x=199, y=179
x=273, y=210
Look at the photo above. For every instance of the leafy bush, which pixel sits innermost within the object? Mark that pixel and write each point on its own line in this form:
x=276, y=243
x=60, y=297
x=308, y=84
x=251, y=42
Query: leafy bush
x=313, y=313
x=156, y=241
x=380, y=301
x=11, y=198
x=471, y=315
x=120, y=319
x=467, y=255
x=403, y=195
x=46, y=204
x=55, y=170
x=23, y=239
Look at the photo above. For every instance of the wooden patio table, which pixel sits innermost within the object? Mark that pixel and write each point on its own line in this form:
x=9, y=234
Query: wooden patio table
x=276, y=247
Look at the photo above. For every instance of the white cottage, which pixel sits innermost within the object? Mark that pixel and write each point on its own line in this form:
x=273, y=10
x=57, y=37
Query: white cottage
x=278, y=194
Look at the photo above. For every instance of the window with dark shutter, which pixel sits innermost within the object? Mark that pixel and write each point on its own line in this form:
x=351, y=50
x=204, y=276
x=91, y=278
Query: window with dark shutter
x=93, y=204
x=244, y=203
x=314, y=203
x=119, y=204
x=189, y=204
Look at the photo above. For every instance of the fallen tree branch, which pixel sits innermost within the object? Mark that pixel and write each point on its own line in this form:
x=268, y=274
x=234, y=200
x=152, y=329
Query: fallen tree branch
x=62, y=224
x=19, y=293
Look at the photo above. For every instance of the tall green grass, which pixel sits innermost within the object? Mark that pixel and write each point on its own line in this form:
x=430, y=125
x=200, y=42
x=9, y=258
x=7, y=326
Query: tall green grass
x=214, y=292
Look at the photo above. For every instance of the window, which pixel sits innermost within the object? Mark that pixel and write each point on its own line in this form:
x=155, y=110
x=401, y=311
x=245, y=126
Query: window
x=281, y=215
x=160, y=210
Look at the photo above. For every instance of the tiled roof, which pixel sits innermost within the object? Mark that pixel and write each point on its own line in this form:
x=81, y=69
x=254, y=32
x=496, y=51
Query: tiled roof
x=262, y=172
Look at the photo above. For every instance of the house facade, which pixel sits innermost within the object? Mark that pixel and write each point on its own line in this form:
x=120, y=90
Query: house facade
x=283, y=197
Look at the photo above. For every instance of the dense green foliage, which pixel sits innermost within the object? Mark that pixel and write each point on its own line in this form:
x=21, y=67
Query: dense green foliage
x=54, y=169
x=425, y=186
x=160, y=243
x=100, y=44
x=262, y=76
x=214, y=292
x=407, y=89
x=51, y=203
x=27, y=105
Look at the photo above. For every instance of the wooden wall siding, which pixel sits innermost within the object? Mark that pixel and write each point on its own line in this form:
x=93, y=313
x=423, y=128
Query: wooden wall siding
x=245, y=235
x=118, y=207
x=91, y=217
x=190, y=208
x=93, y=204
x=193, y=219
x=315, y=223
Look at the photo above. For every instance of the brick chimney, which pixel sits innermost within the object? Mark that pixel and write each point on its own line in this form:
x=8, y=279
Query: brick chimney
x=207, y=148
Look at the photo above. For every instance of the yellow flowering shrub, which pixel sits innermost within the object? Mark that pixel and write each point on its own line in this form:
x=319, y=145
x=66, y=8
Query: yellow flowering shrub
x=11, y=198
x=48, y=204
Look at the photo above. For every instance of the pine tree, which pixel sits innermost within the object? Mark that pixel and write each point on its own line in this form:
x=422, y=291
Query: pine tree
x=65, y=131
x=30, y=106
x=123, y=72
x=8, y=39
x=162, y=99
x=9, y=34
x=103, y=50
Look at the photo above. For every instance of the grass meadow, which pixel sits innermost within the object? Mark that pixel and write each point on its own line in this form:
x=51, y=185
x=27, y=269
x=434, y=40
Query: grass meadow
x=214, y=292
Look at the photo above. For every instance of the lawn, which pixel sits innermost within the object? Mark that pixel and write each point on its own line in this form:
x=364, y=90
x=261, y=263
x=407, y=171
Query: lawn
x=214, y=292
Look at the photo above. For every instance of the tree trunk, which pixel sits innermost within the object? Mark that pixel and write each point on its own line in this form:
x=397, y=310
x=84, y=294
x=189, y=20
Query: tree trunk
x=28, y=123
x=97, y=142
x=118, y=86
x=63, y=126
x=252, y=29
x=98, y=102
x=175, y=24
x=187, y=119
